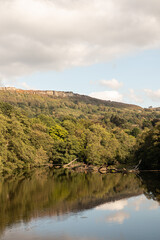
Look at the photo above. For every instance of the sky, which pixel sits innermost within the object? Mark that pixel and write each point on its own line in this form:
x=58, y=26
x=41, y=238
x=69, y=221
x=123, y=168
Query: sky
x=108, y=49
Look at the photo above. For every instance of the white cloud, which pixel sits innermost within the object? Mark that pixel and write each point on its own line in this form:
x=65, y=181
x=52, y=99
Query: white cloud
x=38, y=35
x=114, y=84
x=118, y=217
x=117, y=205
x=108, y=95
x=134, y=96
x=153, y=95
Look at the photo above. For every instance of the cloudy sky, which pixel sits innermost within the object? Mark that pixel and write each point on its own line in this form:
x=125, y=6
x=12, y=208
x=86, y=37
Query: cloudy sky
x=109, y=49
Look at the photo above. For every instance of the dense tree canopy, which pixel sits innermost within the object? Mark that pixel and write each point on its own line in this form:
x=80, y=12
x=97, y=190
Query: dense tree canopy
x=148, y=149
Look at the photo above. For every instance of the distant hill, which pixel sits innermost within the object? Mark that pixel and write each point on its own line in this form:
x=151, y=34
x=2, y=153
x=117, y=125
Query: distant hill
x=72, y=96
x=91, y=100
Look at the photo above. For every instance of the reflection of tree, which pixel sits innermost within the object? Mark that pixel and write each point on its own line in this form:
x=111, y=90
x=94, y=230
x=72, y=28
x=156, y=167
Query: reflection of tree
x=151, y=184
x=54, y=193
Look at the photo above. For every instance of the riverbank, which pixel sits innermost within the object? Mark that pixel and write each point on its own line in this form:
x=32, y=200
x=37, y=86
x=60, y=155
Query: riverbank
x=82, y=167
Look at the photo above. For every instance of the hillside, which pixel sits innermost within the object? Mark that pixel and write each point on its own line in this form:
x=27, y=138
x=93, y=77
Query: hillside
x=72, y=96
x=48, y=127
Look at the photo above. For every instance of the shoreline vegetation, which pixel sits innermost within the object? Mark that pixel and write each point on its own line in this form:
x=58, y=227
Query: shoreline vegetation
x=82, y=167
x=38, y=128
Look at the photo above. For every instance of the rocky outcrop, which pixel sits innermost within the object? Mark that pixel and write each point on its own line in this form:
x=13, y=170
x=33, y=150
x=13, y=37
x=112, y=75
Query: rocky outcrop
x=43, y=92
x=8, y=88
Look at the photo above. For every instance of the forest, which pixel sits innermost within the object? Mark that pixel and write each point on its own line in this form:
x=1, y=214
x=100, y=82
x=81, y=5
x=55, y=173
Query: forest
x=38, y=130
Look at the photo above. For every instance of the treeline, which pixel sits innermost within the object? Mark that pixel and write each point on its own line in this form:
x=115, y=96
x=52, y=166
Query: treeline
x=38, y=130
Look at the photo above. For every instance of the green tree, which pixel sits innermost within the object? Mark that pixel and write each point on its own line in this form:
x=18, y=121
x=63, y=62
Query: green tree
x=57, y=132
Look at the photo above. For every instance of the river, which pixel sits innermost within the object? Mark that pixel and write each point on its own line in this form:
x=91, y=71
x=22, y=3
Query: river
x=57, y=205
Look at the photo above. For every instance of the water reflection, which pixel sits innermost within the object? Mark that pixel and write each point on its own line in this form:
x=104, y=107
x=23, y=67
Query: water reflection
x=117, y=205
x=68, y=205
x=118, y=217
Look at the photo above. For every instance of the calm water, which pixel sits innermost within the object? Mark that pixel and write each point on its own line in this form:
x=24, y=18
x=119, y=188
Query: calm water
x=71, y=206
